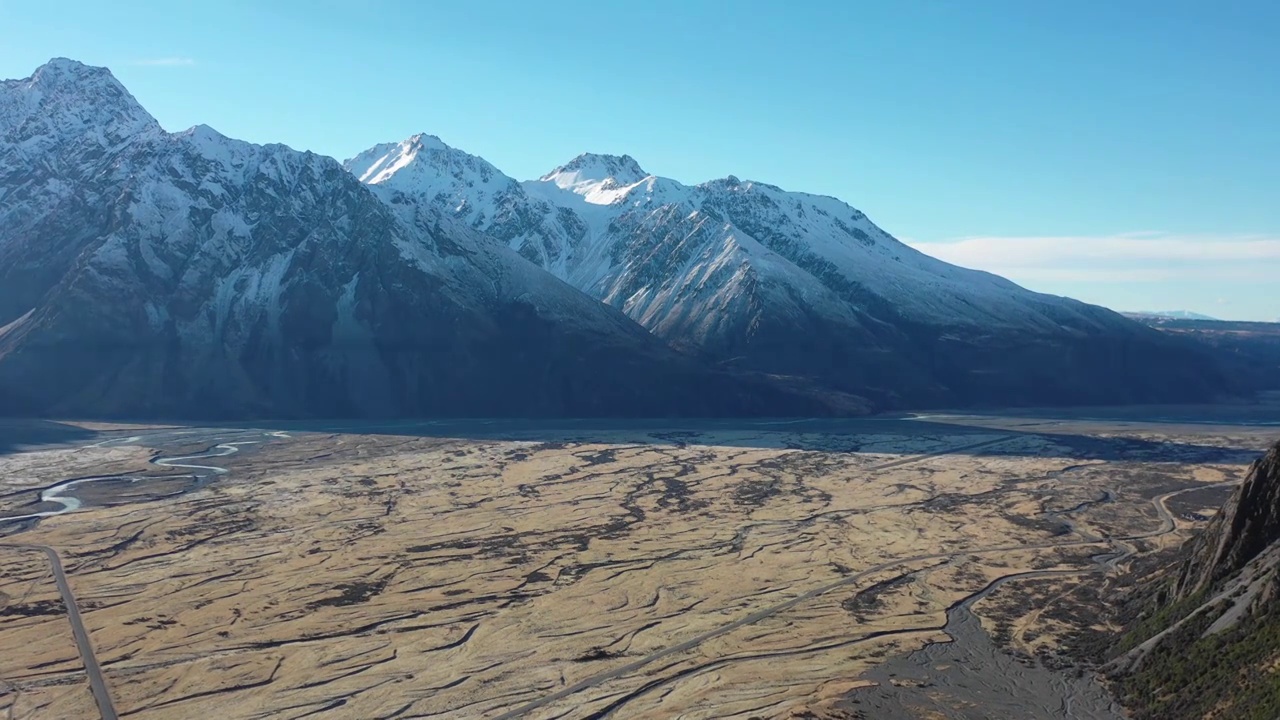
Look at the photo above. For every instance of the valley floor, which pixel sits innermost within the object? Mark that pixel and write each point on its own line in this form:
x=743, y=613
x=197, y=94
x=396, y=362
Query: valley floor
x=581, y=569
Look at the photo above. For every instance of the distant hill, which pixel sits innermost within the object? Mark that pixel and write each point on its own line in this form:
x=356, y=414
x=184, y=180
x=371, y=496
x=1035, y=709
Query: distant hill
x=1249, y=350
x=1168, y=314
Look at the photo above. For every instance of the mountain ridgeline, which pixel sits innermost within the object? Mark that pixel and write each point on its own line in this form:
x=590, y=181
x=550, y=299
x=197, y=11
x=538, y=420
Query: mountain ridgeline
x=149, y=273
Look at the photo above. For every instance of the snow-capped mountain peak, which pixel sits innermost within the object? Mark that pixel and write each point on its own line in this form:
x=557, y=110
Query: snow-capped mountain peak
x=423, y=166
x=600, y=179
x=381, y=162
x=63, y=72
x=65, y=102
x=586, y=167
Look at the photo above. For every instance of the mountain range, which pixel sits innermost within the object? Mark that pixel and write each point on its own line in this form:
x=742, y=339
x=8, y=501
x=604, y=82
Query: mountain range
x=150, y=273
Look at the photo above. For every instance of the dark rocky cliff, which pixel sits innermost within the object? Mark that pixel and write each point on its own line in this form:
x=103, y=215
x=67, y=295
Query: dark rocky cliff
x=1206, y=640
x=1246, y=527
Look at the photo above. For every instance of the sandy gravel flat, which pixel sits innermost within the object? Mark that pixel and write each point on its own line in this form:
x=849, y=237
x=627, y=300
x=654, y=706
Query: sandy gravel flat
x=363, y=575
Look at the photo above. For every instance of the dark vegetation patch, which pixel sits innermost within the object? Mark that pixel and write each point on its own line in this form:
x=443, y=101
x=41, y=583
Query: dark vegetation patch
x=34, y=609
x=863, y=603
x=1047, y=524
x=1077, y=609
x=755, y=493
x=597, y=653
x=946, y=502
x=487, y=546
x=1145, y=627
x=1233, y=673
x=675, y=496
x=212, y=528
x=1197, y=500
x=159, y=622
x=1126, y=600
x=599, y=457
x=351, y=594
x=1150, y=480
x=791, y=470
x=538, y=576
x=969, y=574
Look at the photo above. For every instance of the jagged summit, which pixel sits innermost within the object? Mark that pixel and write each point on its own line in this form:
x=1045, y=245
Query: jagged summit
x=61, y=67
x=62, y=70
x=461, y=185
x=381, y=162
x=597, y=168
x=61, y=77
x=419, y=160
x=65, y=100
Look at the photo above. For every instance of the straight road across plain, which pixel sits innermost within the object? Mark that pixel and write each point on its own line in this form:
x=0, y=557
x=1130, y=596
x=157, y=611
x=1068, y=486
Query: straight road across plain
x=97, y=683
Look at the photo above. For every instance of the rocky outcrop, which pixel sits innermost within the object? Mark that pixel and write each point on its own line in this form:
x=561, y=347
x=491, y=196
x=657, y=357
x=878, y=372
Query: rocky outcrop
x=1205, y=642
x=1247, y=526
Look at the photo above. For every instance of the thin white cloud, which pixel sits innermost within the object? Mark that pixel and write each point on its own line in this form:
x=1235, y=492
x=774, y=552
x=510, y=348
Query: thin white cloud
x=1103, y=274
x=1128, y=257
x=165, y=62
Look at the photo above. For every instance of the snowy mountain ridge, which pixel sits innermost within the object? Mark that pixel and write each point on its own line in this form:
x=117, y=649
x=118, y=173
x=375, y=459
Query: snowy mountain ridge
x=739, y=271
x=144, y=273
x=591, y=193
x=190, y=274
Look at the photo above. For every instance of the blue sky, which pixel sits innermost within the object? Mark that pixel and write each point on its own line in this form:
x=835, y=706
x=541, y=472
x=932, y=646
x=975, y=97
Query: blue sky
x=1126, y=153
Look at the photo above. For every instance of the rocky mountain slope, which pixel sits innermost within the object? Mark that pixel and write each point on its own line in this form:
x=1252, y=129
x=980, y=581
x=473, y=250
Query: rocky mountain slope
x=1206, y=642
x=152, y=273
x=755, y=277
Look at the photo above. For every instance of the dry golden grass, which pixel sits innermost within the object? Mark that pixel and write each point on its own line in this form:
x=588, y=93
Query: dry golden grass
x=370, y=576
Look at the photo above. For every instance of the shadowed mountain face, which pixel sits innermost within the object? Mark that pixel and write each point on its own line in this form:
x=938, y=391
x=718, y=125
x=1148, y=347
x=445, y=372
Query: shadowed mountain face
x=755, y=277
x=157, y=274
x=1250, y=351
x=1205, y=642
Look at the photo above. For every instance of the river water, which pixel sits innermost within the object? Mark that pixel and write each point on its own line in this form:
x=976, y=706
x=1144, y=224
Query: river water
x=69, y=495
